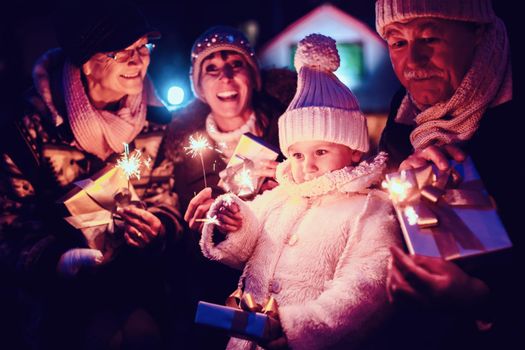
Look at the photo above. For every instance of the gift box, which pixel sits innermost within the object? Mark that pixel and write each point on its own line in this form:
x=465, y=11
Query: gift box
x=239, y=176
x=447, y=214
x=237, y=322
x=93, y=201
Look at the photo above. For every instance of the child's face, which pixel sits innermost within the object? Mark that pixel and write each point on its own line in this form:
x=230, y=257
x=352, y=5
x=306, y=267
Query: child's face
x=311, y=159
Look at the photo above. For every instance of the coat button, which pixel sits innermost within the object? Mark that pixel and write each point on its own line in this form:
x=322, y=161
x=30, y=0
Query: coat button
x=275, y=286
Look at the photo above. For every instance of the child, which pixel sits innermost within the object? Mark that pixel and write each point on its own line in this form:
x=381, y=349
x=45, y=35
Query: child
x=319, y=242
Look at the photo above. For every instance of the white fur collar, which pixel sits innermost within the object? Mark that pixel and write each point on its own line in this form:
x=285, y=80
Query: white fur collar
x=347, y=180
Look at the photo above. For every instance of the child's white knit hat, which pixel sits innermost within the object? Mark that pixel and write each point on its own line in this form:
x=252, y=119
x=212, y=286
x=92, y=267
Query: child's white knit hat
x=323, y=108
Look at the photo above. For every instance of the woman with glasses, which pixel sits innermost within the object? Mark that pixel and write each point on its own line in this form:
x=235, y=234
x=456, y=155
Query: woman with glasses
x=90, y=98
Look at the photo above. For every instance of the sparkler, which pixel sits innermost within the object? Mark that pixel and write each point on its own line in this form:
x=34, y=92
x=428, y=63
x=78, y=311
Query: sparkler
x=196, y=146
x=210, y=220
x=398, y=188
x=131, y=165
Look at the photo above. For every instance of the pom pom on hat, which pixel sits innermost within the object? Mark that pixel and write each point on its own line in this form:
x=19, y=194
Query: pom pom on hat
x=323, y=108
x=319, y=51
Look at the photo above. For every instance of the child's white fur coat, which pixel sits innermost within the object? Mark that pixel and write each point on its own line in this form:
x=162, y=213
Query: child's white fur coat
x=320, y=248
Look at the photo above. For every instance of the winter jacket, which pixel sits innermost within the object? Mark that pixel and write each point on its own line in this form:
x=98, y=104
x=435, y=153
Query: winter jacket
x=320, y=248
x=493, y=149
x=40, y=162
x=203, y=279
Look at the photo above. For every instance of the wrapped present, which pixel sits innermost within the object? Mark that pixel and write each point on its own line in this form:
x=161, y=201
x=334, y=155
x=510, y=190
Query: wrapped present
x=240, y=175
x=246, y=320
x=446, y=214
x=93, y=201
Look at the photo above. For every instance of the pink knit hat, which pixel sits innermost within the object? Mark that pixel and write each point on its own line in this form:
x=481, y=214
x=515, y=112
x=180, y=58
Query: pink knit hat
x=390, y=11
x=323, y=108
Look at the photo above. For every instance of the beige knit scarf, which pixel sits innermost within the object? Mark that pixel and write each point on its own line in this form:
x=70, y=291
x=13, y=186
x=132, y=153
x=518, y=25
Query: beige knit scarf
x=487, y=83
x=101, y=132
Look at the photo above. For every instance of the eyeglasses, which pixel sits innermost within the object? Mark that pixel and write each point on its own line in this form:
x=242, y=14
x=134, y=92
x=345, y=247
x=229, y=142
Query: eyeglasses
x=125, y=55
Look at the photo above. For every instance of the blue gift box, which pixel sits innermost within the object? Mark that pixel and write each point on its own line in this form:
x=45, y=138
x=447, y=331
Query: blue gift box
x=239, y=323
x=463, y=231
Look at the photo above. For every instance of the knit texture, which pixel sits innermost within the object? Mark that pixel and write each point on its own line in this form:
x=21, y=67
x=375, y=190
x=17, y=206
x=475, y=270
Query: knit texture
x=216, y=39
x=390, y=11
x=98, y=131
x=487, y=83
x=323, y=108
x=328, y=279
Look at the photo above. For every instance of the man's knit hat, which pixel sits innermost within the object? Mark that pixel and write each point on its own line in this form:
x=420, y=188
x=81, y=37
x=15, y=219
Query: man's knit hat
x=216, y=39
x=102, y=26
x=323, y=108
x=390, y=11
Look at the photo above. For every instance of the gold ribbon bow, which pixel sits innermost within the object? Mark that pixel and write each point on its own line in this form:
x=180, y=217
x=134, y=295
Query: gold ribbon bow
x=428, y=200
x=244, y=301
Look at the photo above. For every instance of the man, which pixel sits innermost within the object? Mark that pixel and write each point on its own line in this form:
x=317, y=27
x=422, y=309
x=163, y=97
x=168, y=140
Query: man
x=453, y=60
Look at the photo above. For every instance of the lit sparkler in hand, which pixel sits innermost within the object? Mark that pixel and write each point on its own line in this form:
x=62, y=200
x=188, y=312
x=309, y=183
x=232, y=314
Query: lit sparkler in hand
x=210, y=220
x=131, y=165
x=398, y=188
x=197, y=145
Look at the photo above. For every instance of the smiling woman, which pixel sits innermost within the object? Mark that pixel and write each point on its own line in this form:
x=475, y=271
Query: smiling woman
x=232, y=99
x=90, y=97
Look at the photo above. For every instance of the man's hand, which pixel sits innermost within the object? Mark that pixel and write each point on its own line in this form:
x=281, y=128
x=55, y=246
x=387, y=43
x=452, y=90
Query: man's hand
x=432, y=282
x=141, y=227
x=197, y=208
x=439, y=155
x=72, y=261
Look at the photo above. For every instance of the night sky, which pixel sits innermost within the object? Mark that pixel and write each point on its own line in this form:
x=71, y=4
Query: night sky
x=26, y=31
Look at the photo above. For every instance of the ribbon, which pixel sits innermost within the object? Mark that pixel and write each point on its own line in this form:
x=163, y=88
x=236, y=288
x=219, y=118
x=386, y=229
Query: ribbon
x=428, y=200
x=245, y=301
x=241, y=178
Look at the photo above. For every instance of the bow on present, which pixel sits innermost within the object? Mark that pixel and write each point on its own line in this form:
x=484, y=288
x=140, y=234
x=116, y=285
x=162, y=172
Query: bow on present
x=241, y=178
x=427, y=200
x=244, y=301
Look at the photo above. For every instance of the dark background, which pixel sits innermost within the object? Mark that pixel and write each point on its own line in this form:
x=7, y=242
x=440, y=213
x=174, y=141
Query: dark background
x=26, y=32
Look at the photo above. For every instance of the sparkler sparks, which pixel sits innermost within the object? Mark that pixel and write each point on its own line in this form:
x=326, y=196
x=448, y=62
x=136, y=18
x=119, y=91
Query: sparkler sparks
x=131, y=165
x=398, y=187
x=210, y=220
x=244, y=179
x=411, y=215
x=196, y=146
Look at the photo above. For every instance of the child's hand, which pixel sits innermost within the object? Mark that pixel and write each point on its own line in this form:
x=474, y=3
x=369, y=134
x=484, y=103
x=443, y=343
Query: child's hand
x=229, y=217
x=277, y=338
